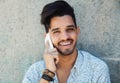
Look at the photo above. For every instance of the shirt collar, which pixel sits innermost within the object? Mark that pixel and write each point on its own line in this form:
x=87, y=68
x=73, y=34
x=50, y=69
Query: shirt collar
x=79, y=61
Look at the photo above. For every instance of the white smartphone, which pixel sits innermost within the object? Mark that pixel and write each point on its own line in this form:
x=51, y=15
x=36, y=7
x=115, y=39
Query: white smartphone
x=48, y=38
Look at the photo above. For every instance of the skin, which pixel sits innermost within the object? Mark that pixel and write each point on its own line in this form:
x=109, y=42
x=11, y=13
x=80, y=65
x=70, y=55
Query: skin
x=61, y=59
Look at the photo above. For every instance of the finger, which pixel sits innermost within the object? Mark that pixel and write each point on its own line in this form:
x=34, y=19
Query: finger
x=54, y=54
x=53, y=51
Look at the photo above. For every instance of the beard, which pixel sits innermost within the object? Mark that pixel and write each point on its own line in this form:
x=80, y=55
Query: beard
x=66, y=52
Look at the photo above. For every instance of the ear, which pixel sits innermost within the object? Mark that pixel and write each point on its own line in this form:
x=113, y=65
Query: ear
x=78, y=30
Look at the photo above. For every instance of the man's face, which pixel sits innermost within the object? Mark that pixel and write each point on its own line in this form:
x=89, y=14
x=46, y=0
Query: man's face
x=64, y=34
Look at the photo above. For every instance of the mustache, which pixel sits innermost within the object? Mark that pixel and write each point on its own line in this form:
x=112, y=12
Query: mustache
x=65, y=40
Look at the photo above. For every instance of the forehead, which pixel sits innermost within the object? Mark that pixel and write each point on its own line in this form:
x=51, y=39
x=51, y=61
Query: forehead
x=61, y=21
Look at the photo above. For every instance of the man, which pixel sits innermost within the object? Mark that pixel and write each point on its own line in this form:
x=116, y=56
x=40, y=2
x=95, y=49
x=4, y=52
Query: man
x=65, y=63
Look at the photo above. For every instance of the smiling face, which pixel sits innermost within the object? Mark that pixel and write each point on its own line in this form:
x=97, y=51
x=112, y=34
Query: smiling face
x=64, y=34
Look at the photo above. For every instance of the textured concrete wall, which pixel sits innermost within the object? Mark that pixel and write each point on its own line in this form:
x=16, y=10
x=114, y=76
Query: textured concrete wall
x=21, y=35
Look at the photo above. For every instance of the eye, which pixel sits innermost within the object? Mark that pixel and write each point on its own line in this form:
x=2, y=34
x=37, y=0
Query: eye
x=70, y=29
x=56, y=32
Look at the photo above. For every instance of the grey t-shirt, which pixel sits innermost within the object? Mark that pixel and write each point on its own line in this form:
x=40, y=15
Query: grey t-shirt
x=87, y=69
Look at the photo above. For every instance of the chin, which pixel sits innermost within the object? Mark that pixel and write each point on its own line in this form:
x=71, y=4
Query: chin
x=66, y=52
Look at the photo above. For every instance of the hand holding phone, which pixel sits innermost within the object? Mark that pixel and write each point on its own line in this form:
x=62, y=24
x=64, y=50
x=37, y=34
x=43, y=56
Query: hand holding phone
x=51, y=54
x=48, y=40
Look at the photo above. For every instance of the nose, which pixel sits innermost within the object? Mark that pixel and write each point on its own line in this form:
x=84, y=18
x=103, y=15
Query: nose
x=64, y=36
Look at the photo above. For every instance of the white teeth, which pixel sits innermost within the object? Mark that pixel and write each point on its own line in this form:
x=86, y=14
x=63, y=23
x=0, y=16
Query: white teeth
x=65, y=43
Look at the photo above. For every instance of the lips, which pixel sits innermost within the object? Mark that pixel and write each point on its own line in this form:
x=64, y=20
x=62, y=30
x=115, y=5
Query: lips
x=65, y=43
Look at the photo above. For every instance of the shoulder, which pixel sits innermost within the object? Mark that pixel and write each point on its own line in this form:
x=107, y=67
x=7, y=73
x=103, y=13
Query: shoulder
x=38, y=66
x=93, y=61
x=34, y=72
x=93, y=67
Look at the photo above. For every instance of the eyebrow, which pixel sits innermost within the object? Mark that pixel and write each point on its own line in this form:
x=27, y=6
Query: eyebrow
x=58, y=28
x=70, y=26
x=54, y=29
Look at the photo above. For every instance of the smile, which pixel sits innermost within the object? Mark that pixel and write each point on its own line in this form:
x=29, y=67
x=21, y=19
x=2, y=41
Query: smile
x=65, y=43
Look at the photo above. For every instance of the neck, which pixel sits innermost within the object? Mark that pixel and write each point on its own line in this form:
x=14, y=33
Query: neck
x=67, y=62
